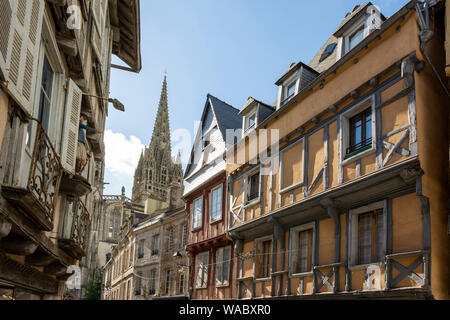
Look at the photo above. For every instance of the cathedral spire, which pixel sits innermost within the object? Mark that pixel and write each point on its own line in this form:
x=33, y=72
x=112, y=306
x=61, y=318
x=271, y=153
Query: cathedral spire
x=161, y=129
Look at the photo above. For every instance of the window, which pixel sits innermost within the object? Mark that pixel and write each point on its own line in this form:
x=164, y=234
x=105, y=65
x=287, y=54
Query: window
x=141, y=249
x=249, y=122
x=184, y=243
x=370, y=237
x=216, y=204
x=155, y=245
x=291, y=90
x=252, y=121
x=328, y=51
x=223, y=266
x=355, y=38
x=170, y=242
x=138, y=283
x=304, y=251
x=167, y=283
x=368, y=234
x=253, y=187
x=202, y=270
x=197, y=214
x=263, y=260
x=45, y=94
x=181, y=284
x=360, y=131
x=152, y=289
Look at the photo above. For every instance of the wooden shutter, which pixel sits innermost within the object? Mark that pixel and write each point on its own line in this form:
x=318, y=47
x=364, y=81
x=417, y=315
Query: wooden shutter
x=99, y=16
x=71, y=125
x=24, y=43
x=6, y=18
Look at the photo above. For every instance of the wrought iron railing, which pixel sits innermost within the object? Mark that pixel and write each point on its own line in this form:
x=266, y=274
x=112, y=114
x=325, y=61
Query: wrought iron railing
x=359, y=146
x=80, y=224
x=45, y=172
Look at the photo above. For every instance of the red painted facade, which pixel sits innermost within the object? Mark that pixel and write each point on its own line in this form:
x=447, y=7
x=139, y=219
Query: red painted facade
x=210, y=237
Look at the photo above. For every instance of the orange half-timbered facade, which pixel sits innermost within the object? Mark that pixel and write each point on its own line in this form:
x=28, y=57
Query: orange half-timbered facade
x=353, y=200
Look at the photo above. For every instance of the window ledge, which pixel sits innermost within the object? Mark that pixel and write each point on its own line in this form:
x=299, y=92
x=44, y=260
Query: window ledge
x=358, y=155
x=365, y=266
x=251, y=203
x=196, y=229
x=225, y=285
x=216, y=221
x=262, y=279
x=301, y=274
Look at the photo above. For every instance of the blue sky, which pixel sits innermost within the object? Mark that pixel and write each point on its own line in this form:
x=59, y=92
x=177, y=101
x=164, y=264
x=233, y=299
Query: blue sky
x=231, y=49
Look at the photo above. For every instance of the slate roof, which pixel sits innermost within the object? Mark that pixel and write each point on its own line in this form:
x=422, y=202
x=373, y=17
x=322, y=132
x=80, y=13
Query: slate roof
x=227, y=116
x=321, y=66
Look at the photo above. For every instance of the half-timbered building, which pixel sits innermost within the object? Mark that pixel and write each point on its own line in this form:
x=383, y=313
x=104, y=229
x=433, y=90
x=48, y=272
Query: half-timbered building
x=352, y=199
x=205, y=195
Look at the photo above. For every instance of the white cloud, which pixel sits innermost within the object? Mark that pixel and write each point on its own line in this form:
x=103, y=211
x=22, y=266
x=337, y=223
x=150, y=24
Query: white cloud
x=122, y=154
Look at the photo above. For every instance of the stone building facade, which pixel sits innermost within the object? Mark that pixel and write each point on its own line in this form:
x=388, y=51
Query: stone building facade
x=51, y=72
x=150, y=261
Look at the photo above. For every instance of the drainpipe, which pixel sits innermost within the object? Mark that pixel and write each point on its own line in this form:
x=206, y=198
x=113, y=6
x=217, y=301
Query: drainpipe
x=426, y=35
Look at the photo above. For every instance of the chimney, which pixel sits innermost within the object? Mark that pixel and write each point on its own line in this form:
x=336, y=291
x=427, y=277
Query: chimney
x=174, y=192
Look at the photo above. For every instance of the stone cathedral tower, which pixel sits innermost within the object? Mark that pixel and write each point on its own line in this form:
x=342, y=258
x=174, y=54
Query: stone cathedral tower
x=157, y=169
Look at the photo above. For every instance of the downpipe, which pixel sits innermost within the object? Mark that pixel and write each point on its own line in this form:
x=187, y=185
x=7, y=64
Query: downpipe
x=426, y=35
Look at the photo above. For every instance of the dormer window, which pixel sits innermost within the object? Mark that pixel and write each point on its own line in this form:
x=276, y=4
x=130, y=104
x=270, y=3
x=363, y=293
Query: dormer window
x=291, y=90
x=250, y=122
x=355, y=38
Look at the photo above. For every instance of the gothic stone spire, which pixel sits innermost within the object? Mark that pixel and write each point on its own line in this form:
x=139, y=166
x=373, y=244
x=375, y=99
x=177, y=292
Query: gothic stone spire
x=161, y=129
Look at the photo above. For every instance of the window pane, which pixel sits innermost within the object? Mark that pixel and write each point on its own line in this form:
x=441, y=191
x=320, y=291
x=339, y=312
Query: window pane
x=291, y=89
x=379, y=235
x=356, y=38
x=216, y=204
x=365, y=238
x=368, y=127
x=304, y=254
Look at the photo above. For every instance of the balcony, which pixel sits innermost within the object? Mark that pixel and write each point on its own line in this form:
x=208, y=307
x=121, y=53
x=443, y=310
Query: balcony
x=75, y=233
x=76, y=186
x=37, y=199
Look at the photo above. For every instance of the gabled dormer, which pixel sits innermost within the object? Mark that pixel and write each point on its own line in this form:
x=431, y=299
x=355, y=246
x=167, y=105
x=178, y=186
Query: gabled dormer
x=253, y=113
x=356, y=27
x=210, y=139
x=293, y=81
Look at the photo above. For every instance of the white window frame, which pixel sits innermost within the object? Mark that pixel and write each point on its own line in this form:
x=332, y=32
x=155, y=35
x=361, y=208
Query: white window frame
x=345, y=129
x=246, y=121
x=219, y=218
x=49, y=48
x=361, y=23
x=220, y=262
x=259, y=242
x=293, y=247
x=353, y=239
x=292, y=80
x=200, y=220
x=248, y=187
x=204, y=283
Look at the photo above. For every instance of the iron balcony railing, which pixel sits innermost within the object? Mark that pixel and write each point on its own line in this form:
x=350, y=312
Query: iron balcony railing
x=45, y=172
x=80, y=224
x=359, y=146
